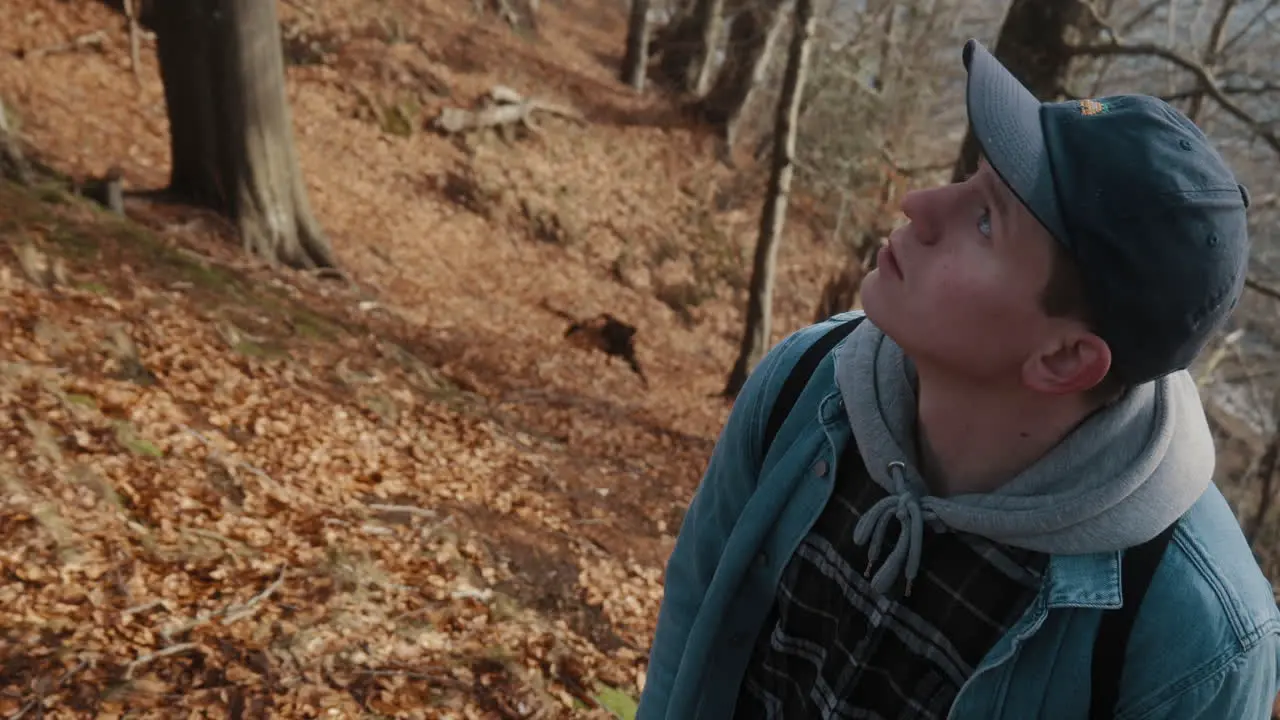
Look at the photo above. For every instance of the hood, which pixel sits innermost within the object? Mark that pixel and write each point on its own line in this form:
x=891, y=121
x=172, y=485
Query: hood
x=1118, y=480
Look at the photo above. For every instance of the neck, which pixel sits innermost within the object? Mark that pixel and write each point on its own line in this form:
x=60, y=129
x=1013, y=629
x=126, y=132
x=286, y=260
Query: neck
x=974, y=439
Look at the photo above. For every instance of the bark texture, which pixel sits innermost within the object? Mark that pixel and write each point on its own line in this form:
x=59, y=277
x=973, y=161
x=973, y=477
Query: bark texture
x=687, y=47
x=756, y=333
x=231, y=133
x=752, y=37
x=1035, y=44
x=636, y=61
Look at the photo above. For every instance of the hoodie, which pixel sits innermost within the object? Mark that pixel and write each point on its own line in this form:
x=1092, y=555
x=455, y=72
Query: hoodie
x=1116, y=481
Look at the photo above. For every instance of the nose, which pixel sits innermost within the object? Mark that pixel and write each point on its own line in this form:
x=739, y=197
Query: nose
x=923, y=208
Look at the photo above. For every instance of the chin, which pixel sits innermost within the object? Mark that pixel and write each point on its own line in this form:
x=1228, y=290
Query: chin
x=920, y=341
x=879, y=309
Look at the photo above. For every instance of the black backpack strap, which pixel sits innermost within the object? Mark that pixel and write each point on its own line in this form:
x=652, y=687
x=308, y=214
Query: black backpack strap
x=1137, y=567
x=799, y=378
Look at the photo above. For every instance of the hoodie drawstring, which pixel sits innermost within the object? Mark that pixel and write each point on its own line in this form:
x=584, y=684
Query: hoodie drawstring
x=904, y=506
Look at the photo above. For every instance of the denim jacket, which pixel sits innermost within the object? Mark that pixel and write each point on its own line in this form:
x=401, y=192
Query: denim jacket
x=1206, y=643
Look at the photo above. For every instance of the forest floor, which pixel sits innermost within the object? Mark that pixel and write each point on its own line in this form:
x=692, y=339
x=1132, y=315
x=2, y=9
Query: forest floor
x=235, y=490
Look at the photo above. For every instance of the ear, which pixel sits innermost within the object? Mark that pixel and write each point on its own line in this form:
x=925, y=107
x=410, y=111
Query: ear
x=1071, y=363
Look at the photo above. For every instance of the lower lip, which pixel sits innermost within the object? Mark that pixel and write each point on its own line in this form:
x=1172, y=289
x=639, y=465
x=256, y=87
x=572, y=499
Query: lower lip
x=886, y=260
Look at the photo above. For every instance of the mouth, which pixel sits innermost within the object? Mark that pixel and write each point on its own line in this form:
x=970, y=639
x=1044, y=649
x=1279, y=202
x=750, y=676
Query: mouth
x=887, y=260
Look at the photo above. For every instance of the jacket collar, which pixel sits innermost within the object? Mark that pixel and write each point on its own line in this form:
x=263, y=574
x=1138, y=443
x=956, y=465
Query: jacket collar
x=1091, y=580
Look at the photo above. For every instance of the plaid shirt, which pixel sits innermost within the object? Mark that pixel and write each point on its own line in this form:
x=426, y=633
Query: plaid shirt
x=834, y=648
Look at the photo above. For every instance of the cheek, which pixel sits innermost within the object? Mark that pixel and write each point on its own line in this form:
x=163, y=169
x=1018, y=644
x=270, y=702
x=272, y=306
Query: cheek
x=956, y=288
x=991, y=313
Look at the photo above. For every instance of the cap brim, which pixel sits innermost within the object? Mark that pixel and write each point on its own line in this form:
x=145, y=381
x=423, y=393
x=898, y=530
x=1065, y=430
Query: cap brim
x=1005, y=120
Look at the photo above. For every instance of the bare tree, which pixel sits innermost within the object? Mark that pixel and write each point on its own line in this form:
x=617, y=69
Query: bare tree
x=687, y=46
x=752, y=37
x=635, y=62
x=884, y=66
x=1217, y=35
x=1268, y=467
x=756, y=333
x=1206, y=84
x=1035, y=44
x=231, y=135
x=874, y=85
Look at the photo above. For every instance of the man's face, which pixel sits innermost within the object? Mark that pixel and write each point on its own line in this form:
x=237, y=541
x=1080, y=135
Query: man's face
x=959, y=287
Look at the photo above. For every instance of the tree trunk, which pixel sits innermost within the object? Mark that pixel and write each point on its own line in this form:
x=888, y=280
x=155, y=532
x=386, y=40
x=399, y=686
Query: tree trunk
x=636, y=61
x=184, y=49
x=1267, y=469
x=881, y=79
x=1035, y=45
x=231, y=134
x=1210, y=55
x=752, y=37
x=756, y=333
x=688, y=48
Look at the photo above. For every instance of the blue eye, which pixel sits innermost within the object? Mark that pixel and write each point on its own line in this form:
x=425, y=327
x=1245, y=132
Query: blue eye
x=984, y=222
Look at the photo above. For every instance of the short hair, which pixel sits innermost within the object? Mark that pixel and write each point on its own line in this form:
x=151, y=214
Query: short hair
x=1064, y=296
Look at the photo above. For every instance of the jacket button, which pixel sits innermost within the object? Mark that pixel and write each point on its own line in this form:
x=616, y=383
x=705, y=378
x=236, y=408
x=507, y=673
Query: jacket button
x=762, y=559
x=820, y=468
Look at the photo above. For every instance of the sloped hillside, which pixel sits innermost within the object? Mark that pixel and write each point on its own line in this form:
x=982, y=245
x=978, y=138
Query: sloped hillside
x=217, y=496
x=233, y=490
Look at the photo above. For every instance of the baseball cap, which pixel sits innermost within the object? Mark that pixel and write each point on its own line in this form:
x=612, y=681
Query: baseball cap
x=1132, y=189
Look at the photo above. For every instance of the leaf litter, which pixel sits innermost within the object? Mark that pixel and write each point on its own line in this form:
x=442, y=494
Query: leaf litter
x=235, y=526
x=229, y=489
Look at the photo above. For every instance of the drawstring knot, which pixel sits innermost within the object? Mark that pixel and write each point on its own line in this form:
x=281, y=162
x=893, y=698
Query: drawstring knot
x=903, y=506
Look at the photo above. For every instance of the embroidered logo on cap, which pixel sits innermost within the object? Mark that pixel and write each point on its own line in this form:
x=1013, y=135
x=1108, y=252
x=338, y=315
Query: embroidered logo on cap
x=1091, y=107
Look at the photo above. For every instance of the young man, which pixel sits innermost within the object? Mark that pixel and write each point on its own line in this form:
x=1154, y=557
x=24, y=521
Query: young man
x=963, y=507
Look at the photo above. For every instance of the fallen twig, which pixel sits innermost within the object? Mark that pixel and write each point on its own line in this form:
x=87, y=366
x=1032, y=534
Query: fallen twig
x=150, y=657
x=144, y=607
x=231, y=613
x=39, y=699
x=430, y=531
x=95, y=39
x=501, y=107
x=229, y=543
x=25, y=708
x=439, y=679
x=232, y=464
x=406, y=509
x=250, y=607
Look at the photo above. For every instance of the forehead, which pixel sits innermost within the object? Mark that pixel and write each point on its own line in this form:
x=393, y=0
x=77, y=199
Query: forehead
x=991, y=183
x=1007, y=205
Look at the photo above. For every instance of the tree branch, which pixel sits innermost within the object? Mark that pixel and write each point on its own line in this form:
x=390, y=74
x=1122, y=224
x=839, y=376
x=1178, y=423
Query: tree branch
x=909, y=171
x=1262, y=89
x=1198, y=70
x=1244, y=29
x=1258, y=287
x=1142, y=15
x=1211, y=54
